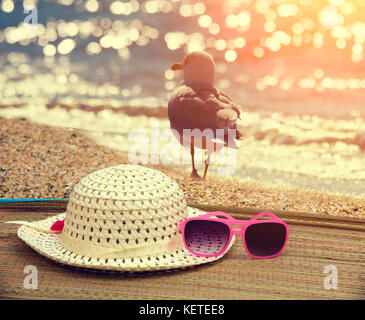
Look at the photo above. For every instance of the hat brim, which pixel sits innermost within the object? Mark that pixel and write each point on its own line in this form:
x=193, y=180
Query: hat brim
x=49, y=245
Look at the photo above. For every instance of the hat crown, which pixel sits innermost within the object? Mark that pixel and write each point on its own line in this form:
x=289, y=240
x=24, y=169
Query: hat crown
x=124, y=207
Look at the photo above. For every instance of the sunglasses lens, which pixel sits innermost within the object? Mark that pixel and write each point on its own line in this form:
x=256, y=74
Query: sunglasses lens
x=206, y=237
x=265, y=239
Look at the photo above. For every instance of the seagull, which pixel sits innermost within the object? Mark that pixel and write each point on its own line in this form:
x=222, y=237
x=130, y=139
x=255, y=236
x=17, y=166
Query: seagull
x=196, y=104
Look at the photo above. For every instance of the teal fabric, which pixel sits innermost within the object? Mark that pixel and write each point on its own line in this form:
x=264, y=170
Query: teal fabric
x=27, y=200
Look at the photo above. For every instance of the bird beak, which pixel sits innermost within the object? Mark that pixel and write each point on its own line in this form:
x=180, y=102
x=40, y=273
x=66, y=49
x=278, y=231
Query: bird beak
x=177, y=66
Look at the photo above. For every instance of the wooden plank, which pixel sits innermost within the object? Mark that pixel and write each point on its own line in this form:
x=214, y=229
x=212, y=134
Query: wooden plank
x=302, y=218
x=36, y=206
x=330, y=221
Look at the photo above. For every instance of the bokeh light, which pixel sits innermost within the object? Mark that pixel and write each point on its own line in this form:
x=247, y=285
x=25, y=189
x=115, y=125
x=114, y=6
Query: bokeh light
x=66, y=46
x=92, y=5
x=230, y=55
x=7, y=6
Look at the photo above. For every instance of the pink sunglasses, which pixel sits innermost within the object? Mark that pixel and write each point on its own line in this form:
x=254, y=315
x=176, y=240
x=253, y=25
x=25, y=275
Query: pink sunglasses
x=208, y=236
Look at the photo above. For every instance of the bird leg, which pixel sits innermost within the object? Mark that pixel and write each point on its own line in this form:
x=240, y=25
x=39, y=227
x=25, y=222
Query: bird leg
x=207, y=162
x=194, y=173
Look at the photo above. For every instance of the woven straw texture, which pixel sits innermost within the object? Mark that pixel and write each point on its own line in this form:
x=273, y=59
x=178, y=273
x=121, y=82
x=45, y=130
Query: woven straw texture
x=315, y=241
x=120, y=218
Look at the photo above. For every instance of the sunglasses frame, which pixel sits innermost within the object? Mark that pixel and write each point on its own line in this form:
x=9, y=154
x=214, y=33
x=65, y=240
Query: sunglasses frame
x=242, y=224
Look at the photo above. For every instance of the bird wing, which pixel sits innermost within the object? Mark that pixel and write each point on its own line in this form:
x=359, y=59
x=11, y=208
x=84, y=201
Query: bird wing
x=202, y=108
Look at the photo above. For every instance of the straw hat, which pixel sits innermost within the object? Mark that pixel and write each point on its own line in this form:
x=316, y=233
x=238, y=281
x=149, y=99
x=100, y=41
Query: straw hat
x=120, y=218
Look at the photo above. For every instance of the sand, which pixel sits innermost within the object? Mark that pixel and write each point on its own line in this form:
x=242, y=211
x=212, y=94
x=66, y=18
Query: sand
x=39, y=161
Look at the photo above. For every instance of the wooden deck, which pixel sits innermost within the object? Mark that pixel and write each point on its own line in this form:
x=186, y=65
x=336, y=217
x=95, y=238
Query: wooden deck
x=316, y=241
